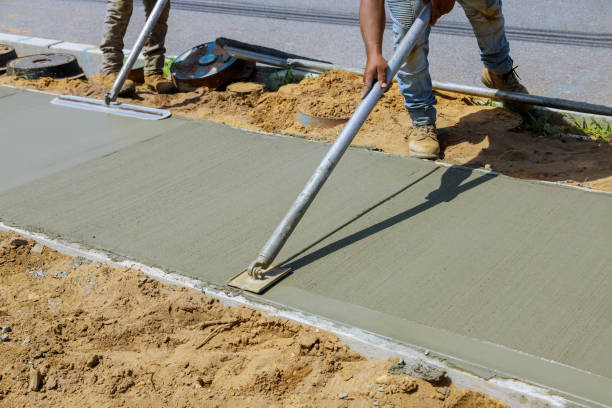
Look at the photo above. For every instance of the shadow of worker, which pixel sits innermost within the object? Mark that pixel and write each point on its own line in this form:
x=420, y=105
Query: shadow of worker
x=452, y=184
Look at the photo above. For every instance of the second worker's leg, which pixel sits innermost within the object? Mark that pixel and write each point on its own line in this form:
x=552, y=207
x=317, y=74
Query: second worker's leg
x=118, y=13
x=489, y=27
x=154, y=50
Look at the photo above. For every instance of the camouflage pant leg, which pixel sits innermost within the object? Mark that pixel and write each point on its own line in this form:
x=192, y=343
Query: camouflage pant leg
x=118, y=13
x=115, y=25
x=154, y=48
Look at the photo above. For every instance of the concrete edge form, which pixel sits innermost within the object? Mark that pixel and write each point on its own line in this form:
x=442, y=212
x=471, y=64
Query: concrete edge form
x=513, y=392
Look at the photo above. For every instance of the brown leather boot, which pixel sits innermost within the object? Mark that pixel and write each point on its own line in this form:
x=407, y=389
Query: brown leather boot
x=423, y=142
x=506, y=82
x=127, y=89
x=157, y=83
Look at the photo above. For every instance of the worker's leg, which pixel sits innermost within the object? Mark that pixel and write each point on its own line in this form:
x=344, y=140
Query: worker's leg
x=154, y=48
x=154, y=51
x=414, y=79
x=415, y=82
x=118, y=13
x=488, y=24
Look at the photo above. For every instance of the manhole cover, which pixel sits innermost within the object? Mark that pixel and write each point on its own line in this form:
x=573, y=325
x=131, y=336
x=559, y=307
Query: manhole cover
x=7, y=53
x=45, y=66
x=208, y=65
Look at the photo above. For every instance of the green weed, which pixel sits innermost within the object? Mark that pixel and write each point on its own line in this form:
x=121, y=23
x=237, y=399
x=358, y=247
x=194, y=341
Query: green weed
x=488, y=102
x=167, y=65
x=537, y=124
x=288, y=78
x=595, y=129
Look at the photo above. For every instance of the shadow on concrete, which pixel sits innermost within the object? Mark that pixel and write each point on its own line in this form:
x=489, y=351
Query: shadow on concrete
x=451, y=185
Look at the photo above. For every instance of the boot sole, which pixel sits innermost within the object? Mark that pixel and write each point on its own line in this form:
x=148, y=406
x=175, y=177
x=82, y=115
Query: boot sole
x=424, y=155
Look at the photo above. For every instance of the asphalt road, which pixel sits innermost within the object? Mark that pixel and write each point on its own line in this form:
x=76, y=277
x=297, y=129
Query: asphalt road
x=563, y=48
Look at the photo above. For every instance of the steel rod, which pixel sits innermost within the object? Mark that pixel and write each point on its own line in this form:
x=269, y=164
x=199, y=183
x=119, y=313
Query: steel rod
x=333, y=156
x=557, y=103
x=111, y=96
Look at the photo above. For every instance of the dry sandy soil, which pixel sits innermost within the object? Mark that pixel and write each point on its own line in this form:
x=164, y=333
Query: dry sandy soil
x=470, y=134
x=77, y=333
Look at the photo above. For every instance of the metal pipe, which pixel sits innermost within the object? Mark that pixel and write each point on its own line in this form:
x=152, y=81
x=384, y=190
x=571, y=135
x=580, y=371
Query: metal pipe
x=557, y=103
x=111, y=96
x=333, y=156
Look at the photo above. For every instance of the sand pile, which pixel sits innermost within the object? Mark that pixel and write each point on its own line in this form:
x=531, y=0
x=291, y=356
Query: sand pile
x=470, y=134
x=79, y=333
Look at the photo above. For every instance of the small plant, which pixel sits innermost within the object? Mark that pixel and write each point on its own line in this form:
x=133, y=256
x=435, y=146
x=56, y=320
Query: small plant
x=537, y=125
x=290, y=78
x=595, y=129
x=167, y=65
x=20, y=74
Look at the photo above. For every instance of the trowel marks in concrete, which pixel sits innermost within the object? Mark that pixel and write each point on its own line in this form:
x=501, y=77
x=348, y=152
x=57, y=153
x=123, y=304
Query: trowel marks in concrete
x=449, y=259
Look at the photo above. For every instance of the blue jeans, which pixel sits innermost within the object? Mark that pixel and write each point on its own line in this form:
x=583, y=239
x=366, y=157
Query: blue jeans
x=413, y=77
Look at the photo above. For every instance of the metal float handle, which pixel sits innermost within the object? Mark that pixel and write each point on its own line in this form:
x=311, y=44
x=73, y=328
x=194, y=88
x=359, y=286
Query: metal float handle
x=333, y=156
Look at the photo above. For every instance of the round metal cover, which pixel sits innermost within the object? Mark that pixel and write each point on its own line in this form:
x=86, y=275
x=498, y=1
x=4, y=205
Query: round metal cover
x=45, y=66
x=7, y=53
x=207, y=65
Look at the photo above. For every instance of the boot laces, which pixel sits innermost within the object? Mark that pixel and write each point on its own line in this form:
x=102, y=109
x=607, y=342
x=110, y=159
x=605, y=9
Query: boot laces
x=512, y=75
x=426, y=132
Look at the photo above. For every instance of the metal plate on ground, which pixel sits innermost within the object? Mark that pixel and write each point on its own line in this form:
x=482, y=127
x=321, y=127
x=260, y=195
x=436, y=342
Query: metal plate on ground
x=115, y=108
x=309, y=120
x=208, y=65
x=7, y=54
x=46, y=66
x=270, y=276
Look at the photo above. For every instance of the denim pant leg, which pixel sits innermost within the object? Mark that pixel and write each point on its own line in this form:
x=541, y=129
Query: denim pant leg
x=414, y=79
x=488, y=24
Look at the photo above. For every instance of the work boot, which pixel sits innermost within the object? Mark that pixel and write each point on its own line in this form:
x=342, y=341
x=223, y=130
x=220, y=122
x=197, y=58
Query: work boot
x=127, y=89
x=506, y=82
x=157, y=83
x=423, y=142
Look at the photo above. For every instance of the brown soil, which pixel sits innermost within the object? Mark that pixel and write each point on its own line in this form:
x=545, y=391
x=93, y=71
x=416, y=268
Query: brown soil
x=85, y=334
x=245, y=87
x=470, y=134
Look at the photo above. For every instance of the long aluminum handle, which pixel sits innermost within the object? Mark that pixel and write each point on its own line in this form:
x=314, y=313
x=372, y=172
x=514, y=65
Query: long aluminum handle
x=111, y=96
x=333, y=156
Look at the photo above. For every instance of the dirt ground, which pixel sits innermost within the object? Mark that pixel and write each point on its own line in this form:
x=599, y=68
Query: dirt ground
x=470, y=134
x=78, y=333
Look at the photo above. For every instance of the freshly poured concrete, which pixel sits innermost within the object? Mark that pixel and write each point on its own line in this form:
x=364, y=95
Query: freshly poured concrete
x=502, y=273
x=38, y=140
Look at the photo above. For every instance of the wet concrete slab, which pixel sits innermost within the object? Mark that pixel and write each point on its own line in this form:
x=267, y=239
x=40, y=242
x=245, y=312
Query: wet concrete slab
x=38, y=139
x=506, y=274
x=6, y=91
